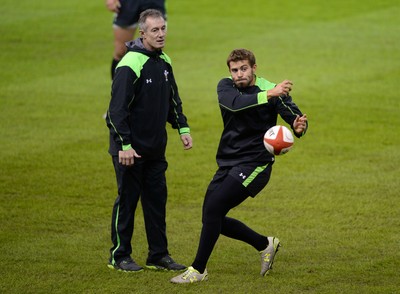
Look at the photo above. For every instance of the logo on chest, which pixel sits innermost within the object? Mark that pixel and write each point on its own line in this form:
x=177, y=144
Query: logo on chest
x=166, y=73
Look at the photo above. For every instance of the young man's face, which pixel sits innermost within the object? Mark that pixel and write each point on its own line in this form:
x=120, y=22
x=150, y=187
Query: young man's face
x=242, y=73
x=154, y=35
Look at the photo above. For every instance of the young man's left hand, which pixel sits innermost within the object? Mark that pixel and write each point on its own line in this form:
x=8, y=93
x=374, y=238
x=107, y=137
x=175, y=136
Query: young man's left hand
x=300, y=124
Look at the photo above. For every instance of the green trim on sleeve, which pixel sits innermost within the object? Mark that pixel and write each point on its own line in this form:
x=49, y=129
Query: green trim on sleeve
x=126, y=147
x=264, y=85
x=183, y=131
x=262, y=97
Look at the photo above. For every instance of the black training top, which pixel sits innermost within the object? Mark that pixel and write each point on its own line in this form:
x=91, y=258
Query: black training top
x=144, y=97
x=247, y=115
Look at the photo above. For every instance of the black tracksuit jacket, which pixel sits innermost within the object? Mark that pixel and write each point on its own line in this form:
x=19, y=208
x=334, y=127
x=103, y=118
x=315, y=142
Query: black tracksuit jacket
x=144, y=97
x=247, y=115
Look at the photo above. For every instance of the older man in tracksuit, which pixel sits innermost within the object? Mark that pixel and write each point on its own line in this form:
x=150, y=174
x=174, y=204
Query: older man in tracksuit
x=144, y=98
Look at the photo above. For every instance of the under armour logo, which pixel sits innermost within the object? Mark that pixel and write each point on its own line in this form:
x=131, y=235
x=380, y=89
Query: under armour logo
x=148, y=81
x=166, y=75
x=242, y=176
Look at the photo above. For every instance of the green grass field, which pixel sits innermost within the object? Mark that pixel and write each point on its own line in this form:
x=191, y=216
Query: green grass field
x=333, y=200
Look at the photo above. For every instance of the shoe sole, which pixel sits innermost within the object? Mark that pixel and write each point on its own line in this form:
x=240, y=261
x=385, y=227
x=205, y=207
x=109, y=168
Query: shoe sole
x=205, y=279
x=110, y=266
x=161, y=268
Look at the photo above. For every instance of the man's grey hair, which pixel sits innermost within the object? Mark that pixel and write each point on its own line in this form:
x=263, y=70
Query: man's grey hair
x=154, y=13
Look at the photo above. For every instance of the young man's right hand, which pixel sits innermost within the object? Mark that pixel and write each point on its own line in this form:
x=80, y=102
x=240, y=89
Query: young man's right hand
x=281, y=89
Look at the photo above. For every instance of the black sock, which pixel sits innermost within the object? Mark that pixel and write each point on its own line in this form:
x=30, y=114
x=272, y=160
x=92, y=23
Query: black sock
x=235, y=229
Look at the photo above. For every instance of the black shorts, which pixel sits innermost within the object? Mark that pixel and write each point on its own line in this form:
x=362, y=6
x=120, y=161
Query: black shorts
x=130, y=10
x=253, y=177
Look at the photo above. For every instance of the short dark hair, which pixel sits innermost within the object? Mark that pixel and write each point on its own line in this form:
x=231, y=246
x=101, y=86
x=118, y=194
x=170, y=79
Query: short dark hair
x=241, y=54
x=146, y=14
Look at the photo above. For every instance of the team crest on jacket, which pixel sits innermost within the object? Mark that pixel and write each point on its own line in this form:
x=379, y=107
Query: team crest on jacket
x=166, y=75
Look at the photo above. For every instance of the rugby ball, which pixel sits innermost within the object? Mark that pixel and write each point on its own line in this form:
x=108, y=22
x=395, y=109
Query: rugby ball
x=278, y=140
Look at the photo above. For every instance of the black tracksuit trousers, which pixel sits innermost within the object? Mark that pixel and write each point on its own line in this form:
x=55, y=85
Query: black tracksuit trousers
x=145, y=180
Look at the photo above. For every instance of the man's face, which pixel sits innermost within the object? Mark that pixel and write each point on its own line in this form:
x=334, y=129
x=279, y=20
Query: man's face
x=242, y=73
x=154, y=35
